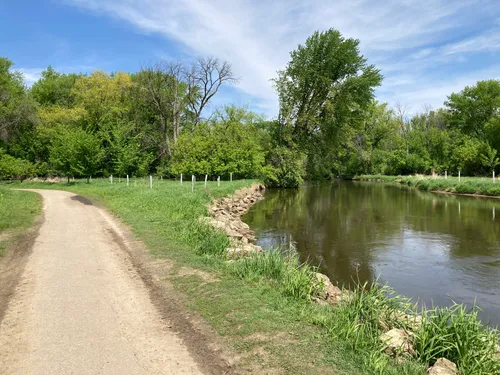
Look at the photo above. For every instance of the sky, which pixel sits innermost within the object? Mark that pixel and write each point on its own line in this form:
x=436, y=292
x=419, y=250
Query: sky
x=425, y=49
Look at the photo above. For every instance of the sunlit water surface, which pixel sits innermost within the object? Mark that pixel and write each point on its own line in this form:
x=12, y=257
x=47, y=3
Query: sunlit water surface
x=432, y=247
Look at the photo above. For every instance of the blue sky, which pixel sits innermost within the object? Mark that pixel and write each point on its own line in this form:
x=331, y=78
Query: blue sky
x=426, y=49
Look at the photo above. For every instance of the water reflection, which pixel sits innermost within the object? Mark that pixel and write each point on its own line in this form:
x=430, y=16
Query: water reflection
x=427, y=246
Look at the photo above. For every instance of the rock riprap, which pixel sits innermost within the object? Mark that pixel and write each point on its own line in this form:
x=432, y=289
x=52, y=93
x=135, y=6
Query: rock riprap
x=226, y=216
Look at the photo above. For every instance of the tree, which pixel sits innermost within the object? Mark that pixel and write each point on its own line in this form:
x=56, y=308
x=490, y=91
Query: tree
x=54, y=88
x=323, y=93
x=204, y=79
x=405, y=125
x=16, y=110
x=105, y=98
x=163, y=95
x=76, y=153
x=472, y=108
x=489, y=159
x=222, y=146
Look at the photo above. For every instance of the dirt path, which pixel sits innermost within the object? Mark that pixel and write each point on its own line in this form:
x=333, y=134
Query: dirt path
x=81, y=307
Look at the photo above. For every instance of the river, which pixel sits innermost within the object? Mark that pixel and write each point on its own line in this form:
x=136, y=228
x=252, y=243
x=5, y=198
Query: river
x=432, y=247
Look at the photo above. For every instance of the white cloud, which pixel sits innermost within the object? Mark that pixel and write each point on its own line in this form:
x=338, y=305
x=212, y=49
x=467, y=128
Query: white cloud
x=31, y=75
x=408, y=39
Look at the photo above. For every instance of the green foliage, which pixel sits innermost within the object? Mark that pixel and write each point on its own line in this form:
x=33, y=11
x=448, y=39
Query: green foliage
x=456, y=333
x=14, y=168
x=218, y=149
x=489, y=158
x=76, y=153
x=17, y=111
x=472, y=108
x=54, y=89
x=286, y=168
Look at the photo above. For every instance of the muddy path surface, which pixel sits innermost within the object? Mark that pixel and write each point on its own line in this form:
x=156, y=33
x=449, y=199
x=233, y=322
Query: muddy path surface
x=84, y=304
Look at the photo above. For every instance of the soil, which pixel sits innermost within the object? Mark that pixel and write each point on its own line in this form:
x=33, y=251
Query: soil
x=84, y=297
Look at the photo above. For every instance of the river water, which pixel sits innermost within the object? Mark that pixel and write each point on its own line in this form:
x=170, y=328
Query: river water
x=432, y=247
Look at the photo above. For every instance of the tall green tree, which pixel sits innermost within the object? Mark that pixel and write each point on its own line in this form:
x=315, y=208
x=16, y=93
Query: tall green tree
x=17, y=112
x=323, y=94
x=76, y=153
x=472, y=108
x=54, y=89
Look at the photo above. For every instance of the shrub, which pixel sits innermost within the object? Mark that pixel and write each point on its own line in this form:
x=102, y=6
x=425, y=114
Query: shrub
x=286, y=168
x=14, y=168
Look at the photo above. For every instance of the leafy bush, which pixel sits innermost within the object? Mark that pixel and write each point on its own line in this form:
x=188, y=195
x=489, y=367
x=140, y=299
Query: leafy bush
x=14, y=168
x=286, y=168
x=219, y=150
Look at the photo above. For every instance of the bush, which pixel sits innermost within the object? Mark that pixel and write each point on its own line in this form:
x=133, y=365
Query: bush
x=14, y=168
x=286, y=169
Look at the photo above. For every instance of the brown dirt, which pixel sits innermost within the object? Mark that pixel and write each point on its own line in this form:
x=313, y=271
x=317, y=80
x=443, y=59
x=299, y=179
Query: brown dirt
x=89, y=299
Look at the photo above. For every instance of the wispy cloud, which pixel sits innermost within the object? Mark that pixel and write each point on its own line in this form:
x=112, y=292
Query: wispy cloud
x=415, y=42
x=30, y=75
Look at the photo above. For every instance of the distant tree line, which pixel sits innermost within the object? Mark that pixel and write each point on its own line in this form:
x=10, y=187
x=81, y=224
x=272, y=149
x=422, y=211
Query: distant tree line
x=158, y=121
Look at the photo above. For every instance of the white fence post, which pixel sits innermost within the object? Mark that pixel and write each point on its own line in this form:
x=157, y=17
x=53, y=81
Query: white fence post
x=206, y=177
x=192, y=183
x=127, y=180
x=111, y=178
x=231, y=177
x=150, y=181
x=446, y=174
x=181, y=178
x=218, y=181
x=459, y=175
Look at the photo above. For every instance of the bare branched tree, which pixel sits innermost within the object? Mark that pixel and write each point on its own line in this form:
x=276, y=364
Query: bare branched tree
x=401, y=112
x=204, y=78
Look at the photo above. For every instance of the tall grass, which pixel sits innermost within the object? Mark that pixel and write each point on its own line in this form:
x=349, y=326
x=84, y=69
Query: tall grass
x=294, y=279
x=457, y=334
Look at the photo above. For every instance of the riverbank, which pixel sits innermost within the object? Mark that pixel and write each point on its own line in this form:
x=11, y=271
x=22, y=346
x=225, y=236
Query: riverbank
x=470, y=186
x=262, y=306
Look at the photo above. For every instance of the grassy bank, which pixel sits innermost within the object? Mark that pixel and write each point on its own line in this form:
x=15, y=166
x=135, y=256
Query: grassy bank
x=262, y=305
x=18, y=210
x=466, y=185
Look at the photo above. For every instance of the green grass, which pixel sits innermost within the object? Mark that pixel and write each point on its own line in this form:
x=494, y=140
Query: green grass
x=457, y=334
x=18, y=210
x=466, y=185
x=262, y=306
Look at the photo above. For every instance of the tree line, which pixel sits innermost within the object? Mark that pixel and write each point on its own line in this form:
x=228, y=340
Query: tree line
x=158, y=120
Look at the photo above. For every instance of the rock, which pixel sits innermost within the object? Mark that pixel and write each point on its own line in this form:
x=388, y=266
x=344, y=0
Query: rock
x=398, y=342
x=443, y=367
x=330, y=292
